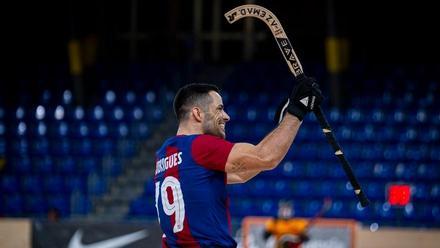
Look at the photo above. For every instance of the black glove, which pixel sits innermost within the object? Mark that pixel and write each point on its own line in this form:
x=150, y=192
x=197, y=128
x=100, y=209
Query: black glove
x=305, y=97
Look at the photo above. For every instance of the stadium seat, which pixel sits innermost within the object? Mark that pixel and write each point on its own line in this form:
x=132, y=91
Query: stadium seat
x=75, y=183
x=96, y=185
x=53, y=184
x=65, y=165
x=60, y=146
x=20, y=165
x=13, y=204
x=88, y=165
x=31, y=184
x=79, y=203
x=59, y=202
x=40, y=146
x=35, y=204
x=111, y=166
x=9, y=184
x=82, y=147
x=43, y=164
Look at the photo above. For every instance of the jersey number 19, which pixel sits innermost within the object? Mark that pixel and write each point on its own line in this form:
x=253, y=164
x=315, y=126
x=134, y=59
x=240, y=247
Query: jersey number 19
x=177, y=207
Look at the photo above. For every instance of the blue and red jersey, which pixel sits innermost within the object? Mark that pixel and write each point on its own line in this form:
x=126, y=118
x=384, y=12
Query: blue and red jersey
x=191, y=198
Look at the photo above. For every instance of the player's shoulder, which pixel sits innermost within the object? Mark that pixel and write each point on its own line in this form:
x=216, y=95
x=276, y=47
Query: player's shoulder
x=176, y=141
x=208, y=138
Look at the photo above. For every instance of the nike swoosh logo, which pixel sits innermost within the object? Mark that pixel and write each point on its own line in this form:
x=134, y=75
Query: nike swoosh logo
x=75, y=241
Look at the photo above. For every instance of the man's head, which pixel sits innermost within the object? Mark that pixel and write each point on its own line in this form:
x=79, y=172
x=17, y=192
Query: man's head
x=201, y=106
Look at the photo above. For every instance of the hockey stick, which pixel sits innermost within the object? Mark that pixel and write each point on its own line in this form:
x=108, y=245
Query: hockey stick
x=251, y=10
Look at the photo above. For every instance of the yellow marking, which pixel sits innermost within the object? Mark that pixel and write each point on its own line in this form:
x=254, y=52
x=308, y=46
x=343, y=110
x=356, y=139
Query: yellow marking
x=338, y=152
x=325, y=130
x=357, y=191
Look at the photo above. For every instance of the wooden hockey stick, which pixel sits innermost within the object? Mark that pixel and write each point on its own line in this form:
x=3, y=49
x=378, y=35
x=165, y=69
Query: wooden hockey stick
x=251, y=10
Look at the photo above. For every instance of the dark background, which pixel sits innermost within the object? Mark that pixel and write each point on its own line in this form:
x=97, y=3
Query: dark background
x=35, y=34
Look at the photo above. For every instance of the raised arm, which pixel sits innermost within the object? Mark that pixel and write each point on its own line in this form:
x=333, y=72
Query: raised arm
x=246, y=160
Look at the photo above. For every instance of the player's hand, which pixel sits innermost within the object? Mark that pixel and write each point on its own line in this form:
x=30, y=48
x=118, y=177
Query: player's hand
x=305, y=97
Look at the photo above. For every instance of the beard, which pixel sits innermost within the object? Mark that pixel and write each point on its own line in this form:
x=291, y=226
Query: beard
x=211, y=126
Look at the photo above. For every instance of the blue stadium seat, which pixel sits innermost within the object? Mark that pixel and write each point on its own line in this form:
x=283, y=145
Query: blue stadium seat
x=111, y=166
x=60, y=146
x=39, y=129
x=126, y=148
x=267, y=207
x=79, y=203
x=67, y=97
x=31, y=184
x=82, y=147
x=103, y=147
x=377, y=116
x=117, y=114
x=343, y=189
x=149, y=97
x=43, y=164
x=59, y=113
x=13, y=205
x=317, y=169
x=129, y=98
x=406, y=171
x=421, y=191
x=95, y=114
x=119, y=131
x=281, y=189
x=260, y=187
x=21, y=129
x=139, y=130
x=375, y=190
x=310, y=207
x=435, y=192
x=65, y=165
x=430, y=136
x=60, y=202
x=88, y=165
x=2, y=129
x=59, y=129
x=291, y=169
x=238, y=190
x=384, y=211
x=53, y=184
x=40, y=146
x=242, y=207
x=384, y=170
x=76, y=114
x=110, y=97
x=20, y=165
x=303, y=188
x=9, y=184
x=75, y=183
x=20, y=113
x=99, y=130
x=96, y=185
x=135, y=113
x=358, y=212
x=79, y=130
x=156, y=113
x=2, y=147
x=35, y=204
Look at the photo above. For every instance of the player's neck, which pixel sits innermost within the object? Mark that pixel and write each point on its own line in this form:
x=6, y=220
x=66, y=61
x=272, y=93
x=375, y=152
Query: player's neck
x=187, y=129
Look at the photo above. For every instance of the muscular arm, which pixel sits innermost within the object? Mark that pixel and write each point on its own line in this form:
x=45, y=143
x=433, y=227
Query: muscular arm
x=246, y=160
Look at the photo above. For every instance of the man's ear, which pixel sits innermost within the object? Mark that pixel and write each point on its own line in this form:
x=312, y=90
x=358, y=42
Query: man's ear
x=197, y=113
